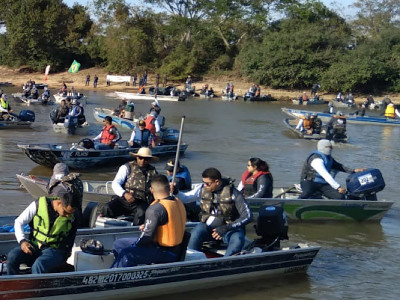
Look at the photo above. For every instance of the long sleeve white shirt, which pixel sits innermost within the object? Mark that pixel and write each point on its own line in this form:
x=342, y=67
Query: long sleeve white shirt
x=318, y=165
x=24, y=218
x=119, y=180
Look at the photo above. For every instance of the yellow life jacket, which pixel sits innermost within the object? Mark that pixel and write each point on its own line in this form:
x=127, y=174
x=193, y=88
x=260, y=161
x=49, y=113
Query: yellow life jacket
x=389, y=112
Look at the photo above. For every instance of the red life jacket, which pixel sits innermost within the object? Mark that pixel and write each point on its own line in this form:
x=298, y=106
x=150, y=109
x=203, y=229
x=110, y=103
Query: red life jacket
x=107, y=136
x=248, y=178
x=150, y=120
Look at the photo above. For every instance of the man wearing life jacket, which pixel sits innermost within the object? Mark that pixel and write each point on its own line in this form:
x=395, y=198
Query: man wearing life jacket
x=108, y=136
x=304, y=124
x=53, y=226
x=316, y=174
x=391, y=112
x=132, y=187
x=5, y=107
x=141, y=136
x=337, y=126
x=224, y=212
x=162, y=232
x=183, y=180
x=257, y=181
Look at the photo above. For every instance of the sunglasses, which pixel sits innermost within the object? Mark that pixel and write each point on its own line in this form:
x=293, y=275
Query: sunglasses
x=208, y=183
x=144, y=158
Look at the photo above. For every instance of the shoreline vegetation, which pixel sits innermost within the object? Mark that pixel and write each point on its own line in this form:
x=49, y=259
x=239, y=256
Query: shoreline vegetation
x=77, y=80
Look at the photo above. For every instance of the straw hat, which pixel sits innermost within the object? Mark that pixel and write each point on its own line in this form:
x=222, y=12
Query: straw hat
x=145, y=152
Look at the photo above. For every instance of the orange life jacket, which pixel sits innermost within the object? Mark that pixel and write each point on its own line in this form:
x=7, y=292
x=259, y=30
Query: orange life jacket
x=107, y=136
x=150, y=120
x=307, y=123
x=171, y=233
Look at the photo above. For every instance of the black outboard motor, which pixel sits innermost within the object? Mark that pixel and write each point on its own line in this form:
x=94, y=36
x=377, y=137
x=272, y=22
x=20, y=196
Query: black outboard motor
x=27, y=115
x=364, y=185
x=272, y=226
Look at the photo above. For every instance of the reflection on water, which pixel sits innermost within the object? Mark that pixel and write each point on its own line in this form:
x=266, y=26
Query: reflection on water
x=356, y=261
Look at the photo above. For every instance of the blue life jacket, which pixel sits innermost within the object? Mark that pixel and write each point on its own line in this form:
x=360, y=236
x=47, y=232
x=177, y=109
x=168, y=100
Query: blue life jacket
x=185, y=174
x=308, y=173
x=142, y=137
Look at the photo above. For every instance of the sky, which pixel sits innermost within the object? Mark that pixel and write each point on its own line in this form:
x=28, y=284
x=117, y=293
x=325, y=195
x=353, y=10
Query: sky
x=342, y=6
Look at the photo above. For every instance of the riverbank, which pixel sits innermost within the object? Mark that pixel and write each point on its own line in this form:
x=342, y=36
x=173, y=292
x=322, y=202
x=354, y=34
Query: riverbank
x=18, y=77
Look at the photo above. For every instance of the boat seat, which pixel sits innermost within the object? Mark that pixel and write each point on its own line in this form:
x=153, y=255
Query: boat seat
x=89, y=215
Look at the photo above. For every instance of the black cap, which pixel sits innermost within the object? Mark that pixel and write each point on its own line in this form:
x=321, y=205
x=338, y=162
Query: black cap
x=142, y=123
x=170, y=166
x=108, y=118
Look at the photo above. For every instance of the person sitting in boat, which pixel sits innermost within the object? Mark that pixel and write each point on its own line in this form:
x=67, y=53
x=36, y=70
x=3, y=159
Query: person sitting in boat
x=391, y=111
x=53, y=227
x=360, y=111
x=316, y=124
x=46, y=94
x=132, y=187
x=141, y=136
x=257, y=181
x=108, y=137
x=63, y=91
x=252, y=90
x=337, y=126
x=210, y=92
x=224, y=212
x=183, y=180
x=5, y=108
x=60, y=113
x=369, y=101
x=316, y=97
x=142, y=90
x=304, y=124
x=34, y=93
x=316, y=174
x=162, y=233
x=152, y=123
x=77, y=111
x=257, y=92
x=304, y=97
x=339, y=97
x=386, y=101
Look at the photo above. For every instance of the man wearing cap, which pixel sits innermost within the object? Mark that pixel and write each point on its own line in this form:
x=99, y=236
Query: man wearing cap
x=132, y=187
x=183, y=180
x=337, y=126
x=61, y=175
x=316, y=174
x=108, y=136
x=224, y=212
x=53, y=228
x=162, y=233
x=141, y=136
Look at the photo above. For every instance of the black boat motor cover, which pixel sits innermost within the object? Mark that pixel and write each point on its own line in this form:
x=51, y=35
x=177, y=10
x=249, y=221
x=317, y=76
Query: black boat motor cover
x=365, y=183
x=27, y=115
x=86, y=143
x=272, y=223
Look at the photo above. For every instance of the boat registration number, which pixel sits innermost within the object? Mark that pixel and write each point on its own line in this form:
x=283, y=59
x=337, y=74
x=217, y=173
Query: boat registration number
x=115, y=277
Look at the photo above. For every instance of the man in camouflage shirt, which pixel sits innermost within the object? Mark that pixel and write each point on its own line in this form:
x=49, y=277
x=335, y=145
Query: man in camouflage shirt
x=132, y=187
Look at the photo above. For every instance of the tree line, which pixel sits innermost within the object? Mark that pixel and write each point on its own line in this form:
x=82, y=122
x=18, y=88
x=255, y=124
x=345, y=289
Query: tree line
x=278, y=43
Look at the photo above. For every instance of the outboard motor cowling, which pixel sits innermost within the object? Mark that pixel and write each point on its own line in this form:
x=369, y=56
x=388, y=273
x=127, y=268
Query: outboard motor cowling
x=27, y=115
x=86, y=143
x=272, y=226
x=365, y=184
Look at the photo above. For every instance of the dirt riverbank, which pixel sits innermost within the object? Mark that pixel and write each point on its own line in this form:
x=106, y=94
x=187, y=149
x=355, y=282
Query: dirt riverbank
x=18, y=77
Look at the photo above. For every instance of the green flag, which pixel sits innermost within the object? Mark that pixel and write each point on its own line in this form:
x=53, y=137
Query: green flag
x=74, y=68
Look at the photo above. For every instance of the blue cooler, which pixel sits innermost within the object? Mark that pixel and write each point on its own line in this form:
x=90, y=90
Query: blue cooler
x=27, y=115
x=366, y=183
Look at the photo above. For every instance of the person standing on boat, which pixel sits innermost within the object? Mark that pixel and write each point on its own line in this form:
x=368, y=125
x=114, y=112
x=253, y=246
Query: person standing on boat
x=224, y=212
x=141, y=136
x=257, y=181
x=132, y=187
x=108, y=137
x=5, y=107
x=316, y=174
x=162, y=233
x=53, y=227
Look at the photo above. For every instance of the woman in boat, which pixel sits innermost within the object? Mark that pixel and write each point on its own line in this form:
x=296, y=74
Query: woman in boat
x=257, y=181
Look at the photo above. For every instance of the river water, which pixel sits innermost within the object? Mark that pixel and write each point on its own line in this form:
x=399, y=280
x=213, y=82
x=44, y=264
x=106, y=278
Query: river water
x=357, y=260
